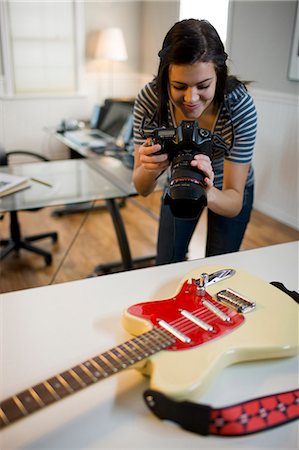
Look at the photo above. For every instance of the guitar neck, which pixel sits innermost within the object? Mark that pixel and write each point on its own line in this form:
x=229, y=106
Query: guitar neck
x=85, y=374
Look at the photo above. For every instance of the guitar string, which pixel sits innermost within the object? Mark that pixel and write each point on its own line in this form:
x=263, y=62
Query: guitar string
x=187, y=325
x=206, y=315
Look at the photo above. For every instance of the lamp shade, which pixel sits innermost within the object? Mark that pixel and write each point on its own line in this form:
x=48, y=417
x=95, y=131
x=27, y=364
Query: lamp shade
x=111, y=45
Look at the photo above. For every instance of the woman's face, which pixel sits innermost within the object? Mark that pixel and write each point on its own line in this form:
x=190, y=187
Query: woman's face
x=192, y=88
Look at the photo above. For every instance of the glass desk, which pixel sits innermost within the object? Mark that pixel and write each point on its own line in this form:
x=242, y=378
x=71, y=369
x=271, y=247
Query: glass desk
x=70, y=182
x=74, y=181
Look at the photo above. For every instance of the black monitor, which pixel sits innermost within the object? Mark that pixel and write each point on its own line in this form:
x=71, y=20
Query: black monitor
x=115, y=115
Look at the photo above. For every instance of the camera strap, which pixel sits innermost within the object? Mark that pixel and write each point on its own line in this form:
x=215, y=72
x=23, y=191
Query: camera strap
x=251, y=416
x=240, y=419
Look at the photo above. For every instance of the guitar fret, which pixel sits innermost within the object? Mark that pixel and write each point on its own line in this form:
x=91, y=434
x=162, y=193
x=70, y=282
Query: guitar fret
x=167, y=338
x=136, y=345
x=98, y=367
x=40, y=391
x=94, y=372
x=77, y=377
x=134, y=349
x=147, y=349
x=118, y=358
x=71, y=381
x=88, y=372
x=60, y=386
x=51, y=390
x=157, y=340
x=3, y=418
x=128, y=357
x=164, y=342
x=147, y=340
x=82, y=375
x=29, y=401
x=10, y=411
x=99, y=360
x=20, y=405
x=105, y=357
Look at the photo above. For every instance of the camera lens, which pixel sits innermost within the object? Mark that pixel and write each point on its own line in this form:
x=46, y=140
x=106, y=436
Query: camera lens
x=182, y=204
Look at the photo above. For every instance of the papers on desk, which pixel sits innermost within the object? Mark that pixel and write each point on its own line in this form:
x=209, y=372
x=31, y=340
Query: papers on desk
x=12, y=183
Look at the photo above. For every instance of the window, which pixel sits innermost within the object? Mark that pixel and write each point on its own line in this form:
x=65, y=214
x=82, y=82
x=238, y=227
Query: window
x=215, y=11
x=40, y=49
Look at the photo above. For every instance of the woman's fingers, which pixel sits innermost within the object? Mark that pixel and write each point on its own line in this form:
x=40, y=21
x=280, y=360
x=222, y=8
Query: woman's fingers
x=150, y=159
x=203, y=163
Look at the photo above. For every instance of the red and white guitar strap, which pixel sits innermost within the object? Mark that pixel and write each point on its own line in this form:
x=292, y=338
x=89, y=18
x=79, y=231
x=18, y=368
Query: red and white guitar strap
x=244, y=418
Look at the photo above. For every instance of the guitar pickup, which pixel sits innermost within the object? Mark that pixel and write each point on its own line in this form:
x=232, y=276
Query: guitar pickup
x=234, y=300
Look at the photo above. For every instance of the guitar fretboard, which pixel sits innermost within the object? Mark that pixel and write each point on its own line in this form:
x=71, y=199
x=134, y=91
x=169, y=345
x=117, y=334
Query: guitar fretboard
x=85, y=374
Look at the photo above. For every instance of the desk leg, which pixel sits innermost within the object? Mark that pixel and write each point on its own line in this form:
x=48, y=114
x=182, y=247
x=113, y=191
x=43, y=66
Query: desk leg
x=119, y=227
x=126, y=263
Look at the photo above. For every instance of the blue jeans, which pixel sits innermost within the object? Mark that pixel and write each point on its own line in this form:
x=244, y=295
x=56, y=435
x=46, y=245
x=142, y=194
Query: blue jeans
x=224, y=235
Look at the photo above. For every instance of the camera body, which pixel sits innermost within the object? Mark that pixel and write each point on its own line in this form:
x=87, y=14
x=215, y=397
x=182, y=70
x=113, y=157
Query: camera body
x=185, y=195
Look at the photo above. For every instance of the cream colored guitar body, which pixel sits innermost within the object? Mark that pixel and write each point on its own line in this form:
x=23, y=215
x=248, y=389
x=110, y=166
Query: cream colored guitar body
x=268, y=331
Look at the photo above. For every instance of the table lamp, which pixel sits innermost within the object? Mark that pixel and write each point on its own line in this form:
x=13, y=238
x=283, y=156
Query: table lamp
x=109, y=44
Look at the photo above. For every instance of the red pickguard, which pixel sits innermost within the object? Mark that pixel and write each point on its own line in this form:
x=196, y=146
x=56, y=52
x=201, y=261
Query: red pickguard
x=188, y=299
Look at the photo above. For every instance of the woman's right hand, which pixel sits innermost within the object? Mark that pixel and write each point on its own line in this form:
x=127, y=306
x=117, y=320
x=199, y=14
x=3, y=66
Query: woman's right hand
x=148, y=166
x=151, y=161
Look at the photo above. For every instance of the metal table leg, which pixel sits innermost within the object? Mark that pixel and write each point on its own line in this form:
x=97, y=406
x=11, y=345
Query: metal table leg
x=126, y=263
x=126, y=258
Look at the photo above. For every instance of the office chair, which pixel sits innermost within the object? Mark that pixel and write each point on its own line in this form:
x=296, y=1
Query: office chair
x=16, y=242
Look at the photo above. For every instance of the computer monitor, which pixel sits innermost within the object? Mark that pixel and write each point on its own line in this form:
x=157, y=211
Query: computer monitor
x=114, y=116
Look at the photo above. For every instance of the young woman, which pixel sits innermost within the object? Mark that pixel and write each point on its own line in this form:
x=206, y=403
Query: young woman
x=193, y=84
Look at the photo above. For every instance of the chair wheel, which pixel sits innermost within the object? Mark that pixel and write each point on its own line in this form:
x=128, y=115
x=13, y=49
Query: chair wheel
x=48, y=260
x=55, y=237
x=56, y=214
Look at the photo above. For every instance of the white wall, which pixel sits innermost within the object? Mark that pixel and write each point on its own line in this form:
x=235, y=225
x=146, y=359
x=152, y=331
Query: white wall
x=157, y=18
x=259, y=46
x=260, y=41
x=276, y=156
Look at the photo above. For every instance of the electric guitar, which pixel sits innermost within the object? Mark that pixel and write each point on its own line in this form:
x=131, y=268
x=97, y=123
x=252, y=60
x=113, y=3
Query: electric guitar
x=184, y=341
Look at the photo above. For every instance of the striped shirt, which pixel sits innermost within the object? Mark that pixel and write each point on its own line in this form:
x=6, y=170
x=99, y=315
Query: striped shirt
x=234, y=132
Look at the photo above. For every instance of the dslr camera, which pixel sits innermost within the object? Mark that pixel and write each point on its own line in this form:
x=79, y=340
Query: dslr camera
x=185, y=193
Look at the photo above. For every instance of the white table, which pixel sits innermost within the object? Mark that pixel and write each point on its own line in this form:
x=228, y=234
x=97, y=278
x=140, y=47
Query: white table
x=49, y=329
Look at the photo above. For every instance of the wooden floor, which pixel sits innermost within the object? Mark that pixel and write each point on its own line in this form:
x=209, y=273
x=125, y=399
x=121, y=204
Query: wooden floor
x=88, y=239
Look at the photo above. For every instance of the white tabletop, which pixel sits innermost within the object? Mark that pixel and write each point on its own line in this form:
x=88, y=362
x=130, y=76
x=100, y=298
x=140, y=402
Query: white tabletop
x=50, y=329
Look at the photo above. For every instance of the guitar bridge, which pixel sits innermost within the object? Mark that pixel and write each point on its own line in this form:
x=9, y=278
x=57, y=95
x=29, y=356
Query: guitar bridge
x=234, y=300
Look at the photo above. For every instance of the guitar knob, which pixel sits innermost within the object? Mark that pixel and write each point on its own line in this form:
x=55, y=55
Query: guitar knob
x=201, y=284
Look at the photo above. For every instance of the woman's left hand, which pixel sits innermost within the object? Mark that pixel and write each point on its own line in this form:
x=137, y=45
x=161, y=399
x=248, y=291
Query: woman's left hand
x=203, y=163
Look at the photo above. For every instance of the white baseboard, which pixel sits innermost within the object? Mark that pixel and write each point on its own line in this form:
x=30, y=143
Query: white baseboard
x=277, y=214
x=274, y=97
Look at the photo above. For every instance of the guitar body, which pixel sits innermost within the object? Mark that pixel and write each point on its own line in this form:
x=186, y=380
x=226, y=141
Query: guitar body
x=270, y=330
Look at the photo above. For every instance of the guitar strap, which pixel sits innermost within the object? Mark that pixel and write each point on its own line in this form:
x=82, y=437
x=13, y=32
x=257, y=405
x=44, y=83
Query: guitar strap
x=241, y=419
x=248, y=417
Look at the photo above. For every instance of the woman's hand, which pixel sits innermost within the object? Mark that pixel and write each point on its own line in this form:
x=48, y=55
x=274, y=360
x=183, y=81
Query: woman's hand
x=148, y=166
x=151, y=161
x=203, y=163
